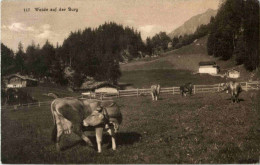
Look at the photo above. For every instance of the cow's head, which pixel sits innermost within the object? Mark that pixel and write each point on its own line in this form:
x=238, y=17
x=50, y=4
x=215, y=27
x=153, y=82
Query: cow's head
x=94, y=119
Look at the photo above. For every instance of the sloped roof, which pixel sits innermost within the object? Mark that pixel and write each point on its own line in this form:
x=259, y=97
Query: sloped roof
x=21, y=77
x=233, y=71
x=92, y=85
x=204, y=63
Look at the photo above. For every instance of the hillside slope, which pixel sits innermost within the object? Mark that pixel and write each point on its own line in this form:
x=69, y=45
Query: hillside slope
x=185, y=60
x=191, y=25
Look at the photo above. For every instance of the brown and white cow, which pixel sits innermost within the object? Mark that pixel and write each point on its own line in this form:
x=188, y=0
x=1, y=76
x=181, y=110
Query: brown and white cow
x=234, y=88
x=155, y=91
x=72, y=115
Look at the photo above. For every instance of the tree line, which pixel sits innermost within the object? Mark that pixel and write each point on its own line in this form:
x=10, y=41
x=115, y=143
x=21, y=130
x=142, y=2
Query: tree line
x=234, y=32
x=92, y=53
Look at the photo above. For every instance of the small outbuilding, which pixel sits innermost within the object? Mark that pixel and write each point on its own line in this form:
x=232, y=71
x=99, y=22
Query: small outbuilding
x=209, y=67
x=110, y=90
x=233, y=73
x=19, y=81
x=95, y=89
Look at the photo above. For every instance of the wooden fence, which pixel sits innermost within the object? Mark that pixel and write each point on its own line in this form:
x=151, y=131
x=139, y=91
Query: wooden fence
x=246, y=86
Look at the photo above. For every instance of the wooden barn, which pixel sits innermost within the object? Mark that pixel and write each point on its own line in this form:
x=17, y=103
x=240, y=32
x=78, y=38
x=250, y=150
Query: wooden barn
x=209, y=67
x=19, y=81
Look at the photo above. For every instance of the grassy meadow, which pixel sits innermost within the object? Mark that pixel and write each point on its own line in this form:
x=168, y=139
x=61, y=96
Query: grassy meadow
x=165, y=77
x=203, y=128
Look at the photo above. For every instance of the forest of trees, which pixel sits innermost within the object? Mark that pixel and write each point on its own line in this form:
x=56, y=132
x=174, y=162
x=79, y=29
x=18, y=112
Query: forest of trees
x=178, y=42
x=159, y=42
x=92, y=53
x=235, y=32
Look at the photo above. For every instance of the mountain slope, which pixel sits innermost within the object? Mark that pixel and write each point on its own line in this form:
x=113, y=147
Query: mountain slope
x=191, y=25
x=186, y=58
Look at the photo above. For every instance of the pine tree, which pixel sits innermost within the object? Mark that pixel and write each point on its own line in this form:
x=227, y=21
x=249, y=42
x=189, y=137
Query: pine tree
x=20, y=58
x=7, y=60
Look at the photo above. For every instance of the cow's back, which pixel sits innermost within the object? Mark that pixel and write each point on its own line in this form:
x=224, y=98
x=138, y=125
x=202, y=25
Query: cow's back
x=71, y=108
x=155, y=89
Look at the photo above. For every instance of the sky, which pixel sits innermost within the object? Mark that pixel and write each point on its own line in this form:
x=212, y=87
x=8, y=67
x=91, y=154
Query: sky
x=21, y=22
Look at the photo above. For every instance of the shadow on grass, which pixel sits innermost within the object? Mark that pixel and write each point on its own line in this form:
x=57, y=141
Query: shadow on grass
x=239, y=100
x=122, y=138
x=79, y=142
x=127, y=138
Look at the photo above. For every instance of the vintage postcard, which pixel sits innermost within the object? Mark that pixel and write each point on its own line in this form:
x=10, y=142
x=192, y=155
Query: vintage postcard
x=130, y=82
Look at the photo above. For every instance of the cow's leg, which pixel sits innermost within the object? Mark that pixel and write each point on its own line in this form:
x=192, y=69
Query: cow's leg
x=78, y=131
x=99, y=133
x=59, y=133
x=86, y=139
x=237, y=100
x=152, y=96
x=156, y=97
x=233, y=99
x=112, y=133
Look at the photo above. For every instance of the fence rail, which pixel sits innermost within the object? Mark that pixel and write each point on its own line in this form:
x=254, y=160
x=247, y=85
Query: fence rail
x=246, y=86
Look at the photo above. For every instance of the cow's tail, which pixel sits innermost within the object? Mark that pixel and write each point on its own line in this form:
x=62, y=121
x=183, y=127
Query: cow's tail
x=54, y=131
x=52, y=111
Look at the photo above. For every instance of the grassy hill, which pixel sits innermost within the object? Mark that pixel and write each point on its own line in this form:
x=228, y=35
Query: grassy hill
x=177, y=66
x=185, y=58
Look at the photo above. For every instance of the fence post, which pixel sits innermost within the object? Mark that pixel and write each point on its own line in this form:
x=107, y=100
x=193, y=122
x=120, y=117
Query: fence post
x=28, y=105
x=194, y=89
x=218, y=87
x=39, y=104
x=137, y=92
x=173, y=90
x=246, y=87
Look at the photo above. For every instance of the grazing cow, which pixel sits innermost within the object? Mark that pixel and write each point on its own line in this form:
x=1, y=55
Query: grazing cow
x=155, y=91
x=186, y=88
x=234, y=88
x=73, y=115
